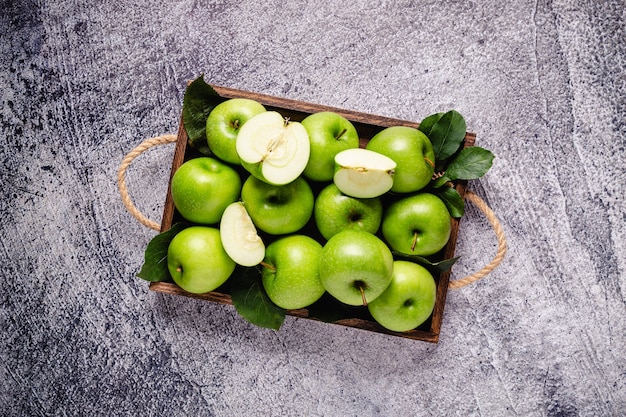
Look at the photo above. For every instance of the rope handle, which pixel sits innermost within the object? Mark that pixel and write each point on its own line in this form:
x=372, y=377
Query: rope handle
x=469, y=195
x=121, y=177
x=502, y=245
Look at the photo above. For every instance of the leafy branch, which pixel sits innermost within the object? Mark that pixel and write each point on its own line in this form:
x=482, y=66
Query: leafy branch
x=200, y=98
x=453, y=161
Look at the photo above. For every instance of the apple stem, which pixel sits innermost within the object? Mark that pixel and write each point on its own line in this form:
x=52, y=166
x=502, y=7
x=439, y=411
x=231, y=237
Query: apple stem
x=179, y=269
x=429, y=162
x=268, y=266
x=340, y=134
x=414, y=241
x=363, y=295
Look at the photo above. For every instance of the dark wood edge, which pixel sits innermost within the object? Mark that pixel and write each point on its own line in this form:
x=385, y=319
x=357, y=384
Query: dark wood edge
x=304, y=107
x=179, y=157
x=444, y=278
x=300, y=109
x=225, y=299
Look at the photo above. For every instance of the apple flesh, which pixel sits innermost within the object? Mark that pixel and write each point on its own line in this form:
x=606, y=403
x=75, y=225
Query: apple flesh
x=409, y=299
x=272, y=148
x=197, y=260
x=413, y=153
x=417, y=225
x=329, y=134
x=278, y=209
x=239, y=236
x=203, y=187
x=363, y=173
x=334, y=211
x=355, y=267
x=224, y=123
x=290, y=272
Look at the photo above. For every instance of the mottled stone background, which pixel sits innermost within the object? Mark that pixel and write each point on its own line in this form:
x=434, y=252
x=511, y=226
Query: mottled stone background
x=542, y=84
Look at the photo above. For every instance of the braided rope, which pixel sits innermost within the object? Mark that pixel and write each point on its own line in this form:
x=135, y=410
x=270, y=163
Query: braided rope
x=165, y=139
x=502, y=245
x=121, y=177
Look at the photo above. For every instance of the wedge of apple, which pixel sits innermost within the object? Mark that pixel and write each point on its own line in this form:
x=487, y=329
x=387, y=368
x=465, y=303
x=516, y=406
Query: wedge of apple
x=272, y=148
x=363, y=173
x=239, y=236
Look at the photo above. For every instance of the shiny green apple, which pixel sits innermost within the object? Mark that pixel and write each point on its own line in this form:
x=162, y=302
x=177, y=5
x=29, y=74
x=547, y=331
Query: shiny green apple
x=419, y=224
x=224, y=123
x=355, y=267
x=278, y=209
x=409, y=299
x=329, y=134
x=334, y=211
x=197, y=261
x=413, y=154
x=203, y=187
x=290, y=272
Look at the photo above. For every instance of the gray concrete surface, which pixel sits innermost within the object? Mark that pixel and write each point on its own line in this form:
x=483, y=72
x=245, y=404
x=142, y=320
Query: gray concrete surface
x=541, y=83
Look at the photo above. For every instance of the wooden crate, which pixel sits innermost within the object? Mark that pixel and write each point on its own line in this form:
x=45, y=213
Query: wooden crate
x=367, y=126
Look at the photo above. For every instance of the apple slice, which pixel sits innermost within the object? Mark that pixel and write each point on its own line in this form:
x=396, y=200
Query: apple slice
x=362, y=173
x=239, y=236
x=272, y=148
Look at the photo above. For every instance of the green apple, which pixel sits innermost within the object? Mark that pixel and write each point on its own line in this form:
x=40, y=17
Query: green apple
x=334, y=211
x=409, y=299
x=355, y=267
x=272, y=148
x=290, y=272
x=329, y=134
x=203, y=187
x=413, y=153
x=419, y=224
x=224, y=123
x=278, y=209
x=197, y=261
x=363, y=173
x=239, y=236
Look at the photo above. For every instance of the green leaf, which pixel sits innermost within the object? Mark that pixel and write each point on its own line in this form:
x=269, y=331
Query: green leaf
x=447, y=135
x=452, y=199
x=154, y=268
x=434, y=267
x=200, y=98
x=251, y=301
x=427, y=124
x=472, y=163
x=445, y=265
x=440, y=182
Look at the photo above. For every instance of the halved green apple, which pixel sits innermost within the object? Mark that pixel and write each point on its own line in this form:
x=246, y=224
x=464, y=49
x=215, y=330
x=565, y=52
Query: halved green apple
x=362, y=173
x=239, y=236
x=272, y=148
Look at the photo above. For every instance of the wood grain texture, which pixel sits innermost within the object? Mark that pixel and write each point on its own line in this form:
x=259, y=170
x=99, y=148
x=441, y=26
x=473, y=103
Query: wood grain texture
x=541, y=83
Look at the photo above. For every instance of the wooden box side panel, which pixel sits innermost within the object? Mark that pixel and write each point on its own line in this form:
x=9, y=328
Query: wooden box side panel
x=367, y=126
